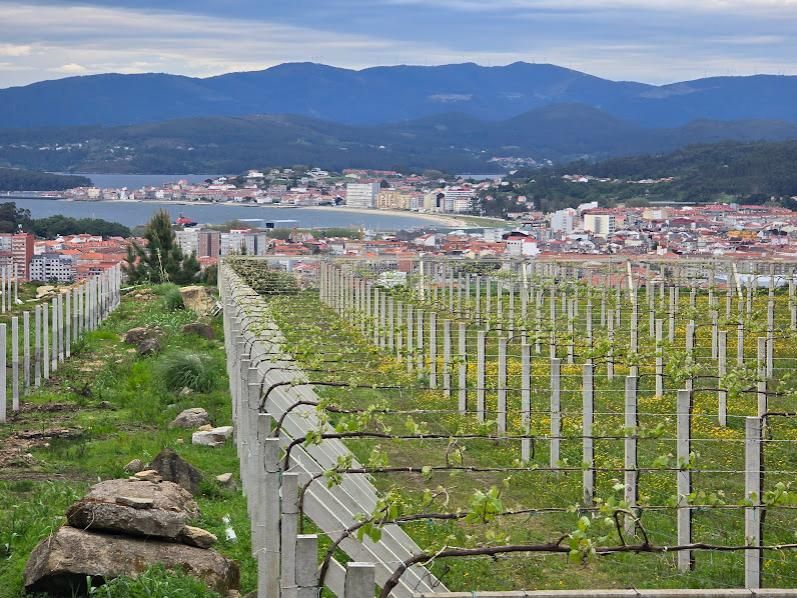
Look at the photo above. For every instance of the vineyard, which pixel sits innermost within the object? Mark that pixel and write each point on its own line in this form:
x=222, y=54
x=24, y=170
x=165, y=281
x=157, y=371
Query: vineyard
x=510, y=425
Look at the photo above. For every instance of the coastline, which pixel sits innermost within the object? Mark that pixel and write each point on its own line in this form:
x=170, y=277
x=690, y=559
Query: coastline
x=440, y=219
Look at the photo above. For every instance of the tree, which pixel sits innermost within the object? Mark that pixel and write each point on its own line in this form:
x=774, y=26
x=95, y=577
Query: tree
x=161, y=259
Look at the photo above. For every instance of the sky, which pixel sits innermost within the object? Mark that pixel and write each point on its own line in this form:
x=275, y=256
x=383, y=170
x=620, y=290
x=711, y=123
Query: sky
x=652, y=41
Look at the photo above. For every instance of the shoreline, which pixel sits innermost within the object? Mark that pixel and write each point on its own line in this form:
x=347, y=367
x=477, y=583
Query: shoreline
x=440, y=219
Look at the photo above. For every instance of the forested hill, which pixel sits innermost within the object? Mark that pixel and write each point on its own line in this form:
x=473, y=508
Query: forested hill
x=705, y=171
x=12, y=179
x=742, y=172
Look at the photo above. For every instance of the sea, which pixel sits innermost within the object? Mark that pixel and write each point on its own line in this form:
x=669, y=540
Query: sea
x=134, y=213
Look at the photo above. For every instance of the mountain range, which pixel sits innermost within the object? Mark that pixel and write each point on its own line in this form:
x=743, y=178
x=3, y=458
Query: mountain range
x=453, y=117
x=391, y=94
x=449, y=142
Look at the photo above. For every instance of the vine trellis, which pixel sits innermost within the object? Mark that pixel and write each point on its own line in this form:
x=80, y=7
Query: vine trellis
x=663, y=388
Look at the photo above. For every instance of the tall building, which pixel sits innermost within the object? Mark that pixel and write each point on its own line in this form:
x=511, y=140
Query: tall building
x=457, y=199
x=562, y=221
x=244, y=242
x=188, y=240
x=22, y=254
x=599, y=224
x=361, y=195
x=49, y=267
x=208, y=243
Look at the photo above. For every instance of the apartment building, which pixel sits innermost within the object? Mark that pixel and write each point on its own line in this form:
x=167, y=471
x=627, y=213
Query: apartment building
x=457, y=199
x=208, y=243
x=361, y=195
x=600, y=224
x=49, y=267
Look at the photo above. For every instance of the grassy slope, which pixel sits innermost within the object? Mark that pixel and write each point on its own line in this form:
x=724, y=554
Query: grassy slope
x=35, y=491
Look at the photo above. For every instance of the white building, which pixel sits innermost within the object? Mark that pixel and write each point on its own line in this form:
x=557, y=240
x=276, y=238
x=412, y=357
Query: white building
x=238, y=242
x=457, y=199
x=188, y=240
x=48, y=267
x=361, y=195
x=562, y=221
x=600, y=225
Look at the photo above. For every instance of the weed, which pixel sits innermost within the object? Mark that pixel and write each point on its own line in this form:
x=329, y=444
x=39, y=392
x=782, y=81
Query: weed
x=187, y=369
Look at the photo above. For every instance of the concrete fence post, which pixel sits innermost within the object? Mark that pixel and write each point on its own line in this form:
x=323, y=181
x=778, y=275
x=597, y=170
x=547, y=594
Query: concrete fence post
x=631, y=449
x=306, y=566
x=26, y=349
x=684, y=478
x=15, y=363
x=659, y=358
x=753, y=486
x=481, y=342
x=3, y=396
x=525, y=401
x=588, y=443
x=462, y=368
x=722, y=370
x=447, y=357
x=502, y=385
x=359, y=581
x=432, y=344
x=289, y=531
x=45, y=353
x=556, y=411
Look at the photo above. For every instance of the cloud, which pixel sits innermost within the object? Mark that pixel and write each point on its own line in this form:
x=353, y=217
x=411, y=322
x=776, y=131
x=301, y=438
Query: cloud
x=71, y=69
x=13, y=50
x=654, y=41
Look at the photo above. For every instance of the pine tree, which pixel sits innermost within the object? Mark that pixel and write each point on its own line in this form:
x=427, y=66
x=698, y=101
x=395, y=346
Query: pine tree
x=161, y=259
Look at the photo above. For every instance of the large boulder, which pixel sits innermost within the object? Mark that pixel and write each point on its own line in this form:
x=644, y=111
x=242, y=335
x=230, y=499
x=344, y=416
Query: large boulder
x=149, y=346
x=200, y=329
x=61, y=563
x=139, y=507
x=194, y=417
x=173, y=468
x=198, y=299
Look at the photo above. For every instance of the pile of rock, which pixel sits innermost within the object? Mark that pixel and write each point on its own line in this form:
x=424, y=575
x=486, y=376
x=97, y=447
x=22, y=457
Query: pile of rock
x=206, y=434
x=122, y=528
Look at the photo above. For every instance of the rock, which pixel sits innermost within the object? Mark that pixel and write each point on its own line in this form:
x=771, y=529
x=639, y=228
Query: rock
x=226, y=480
x=149, y=475
x=165, y=495
x=196, y=536
x=214, y=437
x=205, y=428
x=134, y=466
x=135, y=336
x=191, y=418
x=44, y=291
x=135, y=503
x=112, y=517
x=106, y=405
x=139, y=509
x=64, y=560
x=174, y=468
x=148, y=346
x=200, y=329
x=186, y=392
x=198, y=299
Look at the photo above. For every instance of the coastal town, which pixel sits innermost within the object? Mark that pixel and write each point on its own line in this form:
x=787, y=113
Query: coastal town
x=587, y=231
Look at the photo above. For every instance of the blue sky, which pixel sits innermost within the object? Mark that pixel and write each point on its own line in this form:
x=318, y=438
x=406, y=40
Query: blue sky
x=654, y=41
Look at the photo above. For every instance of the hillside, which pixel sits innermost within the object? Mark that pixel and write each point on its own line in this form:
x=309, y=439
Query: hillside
x=450, y=142
x=743, y=172
x=12, y=179
x=391, y=94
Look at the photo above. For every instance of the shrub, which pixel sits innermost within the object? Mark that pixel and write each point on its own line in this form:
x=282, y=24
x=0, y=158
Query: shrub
x=187, y=369
x=173, y=299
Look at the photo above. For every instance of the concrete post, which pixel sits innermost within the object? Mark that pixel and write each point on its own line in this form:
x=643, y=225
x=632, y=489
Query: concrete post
x=15, y=363
x=556, y=411
x=447, y=357
x=502, y=385
x=525, y=401
x=462, y=368
x=684, y=478
x=631, y=427
x=480, y=375
x=588, y=443
x=753, y=486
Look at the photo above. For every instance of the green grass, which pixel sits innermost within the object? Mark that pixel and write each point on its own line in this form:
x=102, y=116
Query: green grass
x=105, y=370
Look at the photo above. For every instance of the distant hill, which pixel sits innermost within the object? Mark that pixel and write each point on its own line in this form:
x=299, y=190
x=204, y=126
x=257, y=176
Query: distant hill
x=751, y=170
x=391, y=94
x=450, y=142
x=12, y=179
